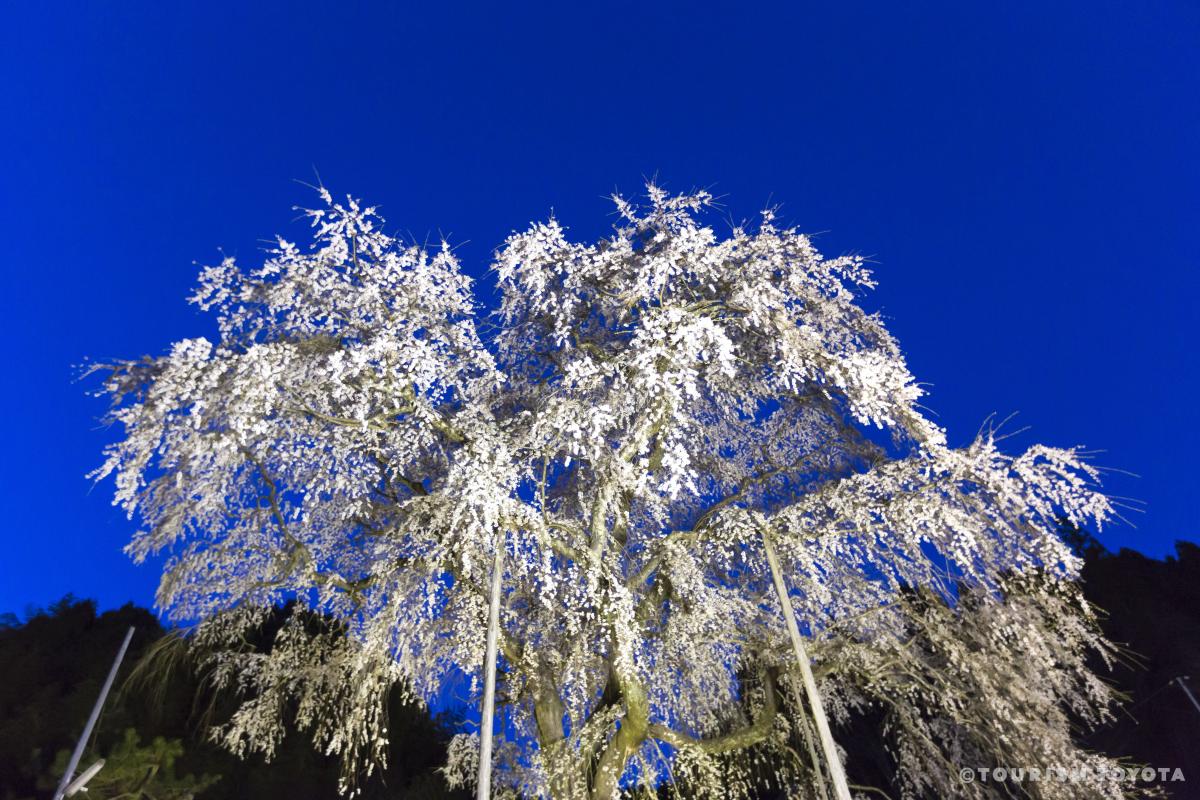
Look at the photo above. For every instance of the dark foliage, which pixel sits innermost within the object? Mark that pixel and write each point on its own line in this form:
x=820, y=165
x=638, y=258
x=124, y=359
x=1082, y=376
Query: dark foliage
x=54, y=664
x=1152, y=609
x=53, y=667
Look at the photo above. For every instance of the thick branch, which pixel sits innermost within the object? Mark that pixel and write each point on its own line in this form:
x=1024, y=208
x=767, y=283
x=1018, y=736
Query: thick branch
x=703, y=521
x=740, y=739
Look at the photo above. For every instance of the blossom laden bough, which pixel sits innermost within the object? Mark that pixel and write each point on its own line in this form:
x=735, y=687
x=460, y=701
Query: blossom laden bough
x=644, y=408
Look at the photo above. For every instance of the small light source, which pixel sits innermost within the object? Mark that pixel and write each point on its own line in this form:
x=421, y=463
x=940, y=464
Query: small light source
x=80, y=783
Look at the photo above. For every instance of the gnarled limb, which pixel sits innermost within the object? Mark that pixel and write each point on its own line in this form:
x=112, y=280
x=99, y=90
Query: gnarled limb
x=750, y=735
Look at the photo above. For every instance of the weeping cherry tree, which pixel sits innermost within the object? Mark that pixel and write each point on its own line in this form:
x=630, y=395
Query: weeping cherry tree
x=626, y=433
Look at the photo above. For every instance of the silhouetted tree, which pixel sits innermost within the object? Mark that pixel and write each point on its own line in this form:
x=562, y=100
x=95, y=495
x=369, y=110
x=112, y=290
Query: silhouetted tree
x=1153, y=610
x=51, y=670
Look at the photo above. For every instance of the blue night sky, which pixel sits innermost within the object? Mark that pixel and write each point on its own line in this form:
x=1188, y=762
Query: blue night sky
x=1024, y=175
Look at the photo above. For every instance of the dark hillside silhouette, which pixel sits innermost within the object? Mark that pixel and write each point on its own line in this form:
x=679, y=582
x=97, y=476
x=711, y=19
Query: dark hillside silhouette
x=1152, y=608
x=54, y=663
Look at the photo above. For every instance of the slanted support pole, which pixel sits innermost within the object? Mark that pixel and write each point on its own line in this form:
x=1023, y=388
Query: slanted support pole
x=91, y=722
x=840, y=789
x=487, y=719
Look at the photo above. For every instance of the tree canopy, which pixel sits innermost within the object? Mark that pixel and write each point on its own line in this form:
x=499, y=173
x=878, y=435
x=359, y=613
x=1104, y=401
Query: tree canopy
x=630, y=422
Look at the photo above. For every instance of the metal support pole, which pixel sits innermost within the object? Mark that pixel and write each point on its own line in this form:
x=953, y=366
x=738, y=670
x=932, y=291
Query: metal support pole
x=91, y=723
x=840, y=789
x=80, y=784
x=1187, y=691
x=486, y=723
